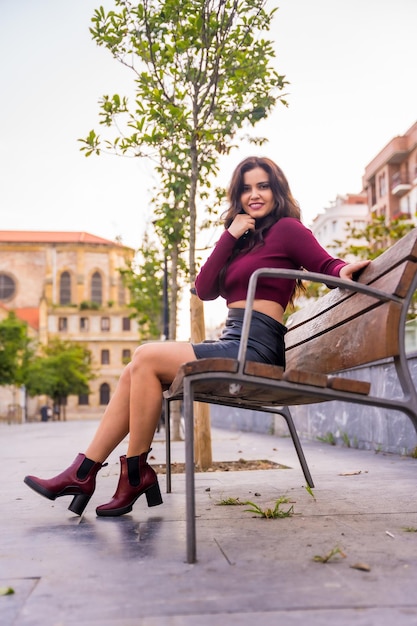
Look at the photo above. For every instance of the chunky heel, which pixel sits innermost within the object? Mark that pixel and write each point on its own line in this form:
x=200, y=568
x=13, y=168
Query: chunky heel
x=136, y=478
x=153, y=495
x=78, y=480
x=79, y=503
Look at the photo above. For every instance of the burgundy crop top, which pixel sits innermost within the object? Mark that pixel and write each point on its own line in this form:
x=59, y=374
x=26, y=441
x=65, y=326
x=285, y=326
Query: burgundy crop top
x=287, y=245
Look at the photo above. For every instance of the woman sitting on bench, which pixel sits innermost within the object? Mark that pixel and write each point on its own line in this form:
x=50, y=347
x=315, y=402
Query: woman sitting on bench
x=262, y=229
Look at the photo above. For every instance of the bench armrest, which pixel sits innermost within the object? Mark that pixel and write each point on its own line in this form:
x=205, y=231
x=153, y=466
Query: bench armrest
x=331, y=281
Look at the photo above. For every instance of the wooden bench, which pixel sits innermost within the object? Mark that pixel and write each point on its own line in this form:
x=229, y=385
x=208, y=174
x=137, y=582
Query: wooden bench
x=354, y=324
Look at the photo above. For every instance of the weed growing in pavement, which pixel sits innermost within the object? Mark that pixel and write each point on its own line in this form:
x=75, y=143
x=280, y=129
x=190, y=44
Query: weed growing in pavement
x=310, y=491
x=346, y=439
x=274, y=513
x=230, y=502
x=334, y=552
x=328, y=438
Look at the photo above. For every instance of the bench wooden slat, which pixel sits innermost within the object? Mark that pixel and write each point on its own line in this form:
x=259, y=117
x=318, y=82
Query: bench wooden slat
x=349, y=384
x=218, y=391
x=264, y=370
x=254, y=398
x=344, y=347
x=339, y=305
x=305, y=378
x=214, y=364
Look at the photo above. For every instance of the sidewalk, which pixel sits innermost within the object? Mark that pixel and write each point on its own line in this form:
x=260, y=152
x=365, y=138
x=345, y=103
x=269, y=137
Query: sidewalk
x=131, y=571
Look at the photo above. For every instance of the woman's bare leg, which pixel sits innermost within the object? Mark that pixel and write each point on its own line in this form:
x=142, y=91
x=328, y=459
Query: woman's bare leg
x=114, y=425
x=153, y=365
x=135, y=406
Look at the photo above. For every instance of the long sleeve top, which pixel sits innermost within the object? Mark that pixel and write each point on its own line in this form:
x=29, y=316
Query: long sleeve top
x=287, y=245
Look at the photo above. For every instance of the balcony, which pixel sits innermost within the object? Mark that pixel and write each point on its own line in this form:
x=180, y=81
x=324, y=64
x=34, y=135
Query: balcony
x=400, y=184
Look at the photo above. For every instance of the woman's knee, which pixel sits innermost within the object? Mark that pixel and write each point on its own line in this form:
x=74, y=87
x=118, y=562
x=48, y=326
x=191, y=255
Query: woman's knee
x=142, y=356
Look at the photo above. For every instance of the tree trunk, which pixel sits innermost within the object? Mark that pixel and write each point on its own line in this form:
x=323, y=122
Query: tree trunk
x=202, y=432
x=202, y=446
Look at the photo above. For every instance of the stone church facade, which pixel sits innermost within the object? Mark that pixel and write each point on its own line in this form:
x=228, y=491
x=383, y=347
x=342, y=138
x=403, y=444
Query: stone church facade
x=68, y=285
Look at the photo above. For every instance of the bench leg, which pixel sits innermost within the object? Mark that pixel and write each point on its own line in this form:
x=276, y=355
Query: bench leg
x=188, y=406
x=285, y=412
x=167, y=405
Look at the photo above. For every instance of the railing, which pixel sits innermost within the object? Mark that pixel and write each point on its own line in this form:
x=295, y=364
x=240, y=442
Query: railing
x=399, y=178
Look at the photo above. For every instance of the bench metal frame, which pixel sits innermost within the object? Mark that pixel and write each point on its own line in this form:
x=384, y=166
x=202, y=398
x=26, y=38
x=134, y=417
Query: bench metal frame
x=407, y=403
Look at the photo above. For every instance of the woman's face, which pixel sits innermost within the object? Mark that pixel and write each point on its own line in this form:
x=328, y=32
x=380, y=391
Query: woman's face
x=257, y=199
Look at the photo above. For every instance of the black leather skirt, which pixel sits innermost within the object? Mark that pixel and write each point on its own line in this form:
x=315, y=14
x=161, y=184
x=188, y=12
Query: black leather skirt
x=265, y=344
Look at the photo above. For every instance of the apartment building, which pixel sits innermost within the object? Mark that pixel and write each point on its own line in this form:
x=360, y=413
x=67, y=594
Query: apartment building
x=390, y=179
x=68, y=285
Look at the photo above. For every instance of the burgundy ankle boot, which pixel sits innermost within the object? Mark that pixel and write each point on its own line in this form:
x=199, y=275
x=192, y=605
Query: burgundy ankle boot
x=78, y=480
x=136, y=477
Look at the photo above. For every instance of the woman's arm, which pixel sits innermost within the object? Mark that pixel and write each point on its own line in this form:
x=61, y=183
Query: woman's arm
x=207, y=283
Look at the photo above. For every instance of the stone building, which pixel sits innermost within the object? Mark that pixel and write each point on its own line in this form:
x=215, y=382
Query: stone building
x=68, y=285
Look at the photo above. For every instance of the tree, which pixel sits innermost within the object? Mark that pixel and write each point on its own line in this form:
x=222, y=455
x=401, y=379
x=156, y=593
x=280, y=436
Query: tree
x=372, y=240
x=14, y=350
x=63, y=368
x=144, y=278
x=203, y=75
x=202, y=72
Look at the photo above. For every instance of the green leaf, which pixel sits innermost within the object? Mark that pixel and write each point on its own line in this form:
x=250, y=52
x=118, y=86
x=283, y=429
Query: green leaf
x=6, y=591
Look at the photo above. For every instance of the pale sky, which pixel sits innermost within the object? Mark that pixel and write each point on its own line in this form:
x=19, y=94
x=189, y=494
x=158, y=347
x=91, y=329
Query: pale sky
x=352, y=69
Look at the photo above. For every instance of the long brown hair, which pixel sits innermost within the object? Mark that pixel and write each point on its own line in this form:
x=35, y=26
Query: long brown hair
x=285, y=204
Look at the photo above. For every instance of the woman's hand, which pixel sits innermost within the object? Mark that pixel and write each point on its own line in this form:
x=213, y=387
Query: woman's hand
x=241, y=224
x=350, y=269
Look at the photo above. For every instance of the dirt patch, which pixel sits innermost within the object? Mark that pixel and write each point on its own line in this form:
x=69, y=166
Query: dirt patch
x=225, y=466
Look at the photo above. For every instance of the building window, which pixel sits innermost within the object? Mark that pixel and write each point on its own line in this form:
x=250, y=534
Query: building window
x=84, y=324
x=382, y=186
x=126, y=356
x=104, y=393
x=83, y=399
x=121, y=295
x=7, y=287
x=62, y=324
x=105, y=323
x=96, y=288
x=65, y=288
x=105, y=357
x=126, y=323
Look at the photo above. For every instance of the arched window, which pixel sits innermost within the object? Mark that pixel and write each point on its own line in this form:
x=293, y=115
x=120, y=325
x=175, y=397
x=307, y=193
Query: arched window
x=65, y=288
x=7, y=287
x=104, y=393
x=96, y=288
